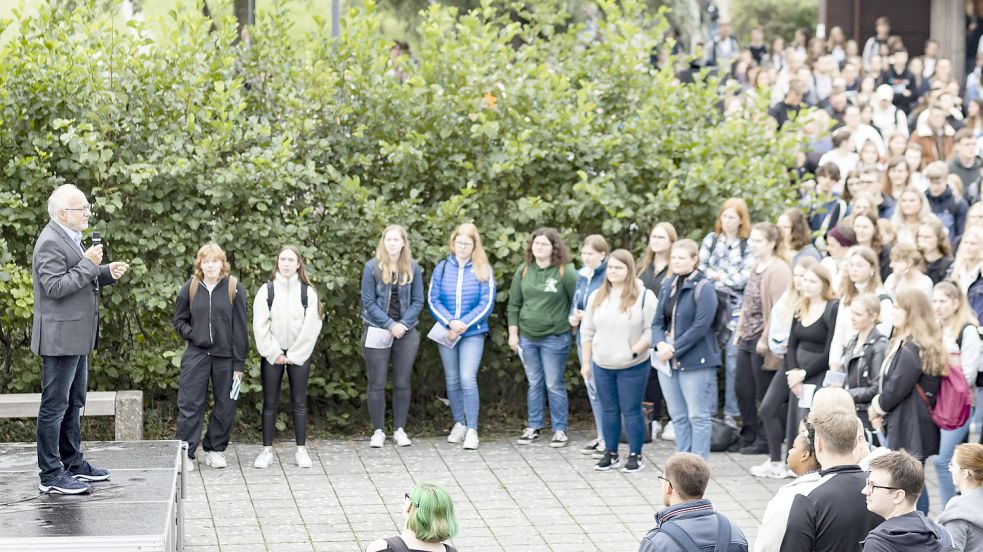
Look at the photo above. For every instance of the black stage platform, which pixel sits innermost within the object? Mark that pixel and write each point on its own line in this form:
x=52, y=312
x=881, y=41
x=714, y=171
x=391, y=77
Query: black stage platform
x=138, y=508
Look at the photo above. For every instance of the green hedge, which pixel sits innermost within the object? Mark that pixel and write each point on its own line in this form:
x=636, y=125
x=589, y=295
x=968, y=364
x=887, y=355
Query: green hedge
x=181, y=138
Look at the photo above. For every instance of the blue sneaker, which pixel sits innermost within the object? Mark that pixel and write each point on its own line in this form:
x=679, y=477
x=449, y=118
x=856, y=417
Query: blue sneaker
x=88, y=472
x=65, y=484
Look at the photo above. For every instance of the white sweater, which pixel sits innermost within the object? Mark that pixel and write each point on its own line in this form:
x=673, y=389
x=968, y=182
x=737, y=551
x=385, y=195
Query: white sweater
x=612, y=332
x=285, y=327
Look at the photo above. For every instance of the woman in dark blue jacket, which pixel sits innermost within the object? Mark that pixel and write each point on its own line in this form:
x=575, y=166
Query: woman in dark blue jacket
x=462, y=295
x=392, y=299
x=686, y=350
x=593, y=253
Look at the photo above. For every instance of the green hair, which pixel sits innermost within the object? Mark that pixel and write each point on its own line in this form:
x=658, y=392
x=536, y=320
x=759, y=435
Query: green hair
x=432, y=518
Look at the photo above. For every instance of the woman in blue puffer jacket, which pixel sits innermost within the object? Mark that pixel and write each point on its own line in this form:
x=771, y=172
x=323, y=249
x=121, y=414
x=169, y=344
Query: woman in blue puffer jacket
x=593, y=253
x=462, y=295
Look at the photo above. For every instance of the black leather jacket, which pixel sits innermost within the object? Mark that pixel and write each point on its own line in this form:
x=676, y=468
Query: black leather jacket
x=862, y=367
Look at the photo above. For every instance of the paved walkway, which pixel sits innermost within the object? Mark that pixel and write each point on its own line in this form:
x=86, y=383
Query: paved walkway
x=507, y=497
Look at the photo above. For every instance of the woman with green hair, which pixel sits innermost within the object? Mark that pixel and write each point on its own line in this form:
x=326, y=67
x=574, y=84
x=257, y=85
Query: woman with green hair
x=428, y=520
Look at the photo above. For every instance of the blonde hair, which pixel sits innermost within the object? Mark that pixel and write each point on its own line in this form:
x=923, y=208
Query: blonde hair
x=792, y=294
x=969, y=456
x=402, y=271
x=630, y=293
x=831, y=399
x=898, y=218
x=597, y=243
x=909, y=253
x=848, y=288
x=921, y=327
x=479, y=259
x=649, y=256
x=963, y=262
x=963, y=315
x=827, y=294
x=211, y=250
x=870, y=302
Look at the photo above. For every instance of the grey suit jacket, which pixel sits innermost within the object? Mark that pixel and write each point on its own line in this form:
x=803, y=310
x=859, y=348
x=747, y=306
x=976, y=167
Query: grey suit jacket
x=66, y=295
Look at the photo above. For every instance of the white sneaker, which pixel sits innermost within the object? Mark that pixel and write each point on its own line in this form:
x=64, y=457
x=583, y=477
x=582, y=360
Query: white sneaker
x=378, y=439
x=303, y=459
x=189, y=464
x=668, y=433
x=471, y=439
x=401, y=439
x=264, y=459
x=656, y=428
x=559, y=439
x=457, y=433
x=774, y=470
x=215, y=459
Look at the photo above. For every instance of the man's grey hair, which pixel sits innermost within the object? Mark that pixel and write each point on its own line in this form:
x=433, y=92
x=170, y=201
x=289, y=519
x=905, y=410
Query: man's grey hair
x=58, y=199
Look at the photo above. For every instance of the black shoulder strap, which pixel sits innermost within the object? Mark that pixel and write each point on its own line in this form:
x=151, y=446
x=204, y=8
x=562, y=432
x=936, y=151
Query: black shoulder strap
x=396, y=544
x=962, y=330
x=269, y=295
x=303, y=296
x=743, y=247
x=449, y=548
x=680, y=537
x=713, y=245
x=723, y=533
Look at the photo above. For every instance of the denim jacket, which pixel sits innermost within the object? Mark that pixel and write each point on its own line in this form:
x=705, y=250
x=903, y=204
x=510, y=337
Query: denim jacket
x=587, y=282
x=376, y=295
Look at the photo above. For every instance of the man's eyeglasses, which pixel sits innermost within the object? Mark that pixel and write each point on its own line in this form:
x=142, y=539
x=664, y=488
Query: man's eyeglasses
x=664, y=479
x=872, y=486
x=84, y=209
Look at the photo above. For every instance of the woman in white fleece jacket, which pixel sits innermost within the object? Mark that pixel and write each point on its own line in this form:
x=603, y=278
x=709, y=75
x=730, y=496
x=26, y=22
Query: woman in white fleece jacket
x=286, y=326
x=616, y=334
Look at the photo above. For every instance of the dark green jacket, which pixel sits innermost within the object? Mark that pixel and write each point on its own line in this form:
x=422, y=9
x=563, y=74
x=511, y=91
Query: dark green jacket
x=539, y=301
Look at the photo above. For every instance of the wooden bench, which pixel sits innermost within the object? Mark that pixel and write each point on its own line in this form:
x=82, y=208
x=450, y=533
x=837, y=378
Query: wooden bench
x=126, y=406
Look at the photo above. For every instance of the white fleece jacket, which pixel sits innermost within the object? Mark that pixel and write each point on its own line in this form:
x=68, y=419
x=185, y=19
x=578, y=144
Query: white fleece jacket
x=285, y=327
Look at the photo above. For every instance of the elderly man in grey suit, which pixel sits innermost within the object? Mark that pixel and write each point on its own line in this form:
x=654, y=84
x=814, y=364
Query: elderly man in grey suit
x=67, y=278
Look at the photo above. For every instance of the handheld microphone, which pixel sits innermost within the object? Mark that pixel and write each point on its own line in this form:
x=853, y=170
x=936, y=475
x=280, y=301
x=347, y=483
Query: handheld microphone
x=96, y=239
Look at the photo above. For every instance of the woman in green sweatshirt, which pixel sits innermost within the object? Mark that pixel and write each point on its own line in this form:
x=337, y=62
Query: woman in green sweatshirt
x=539, y=329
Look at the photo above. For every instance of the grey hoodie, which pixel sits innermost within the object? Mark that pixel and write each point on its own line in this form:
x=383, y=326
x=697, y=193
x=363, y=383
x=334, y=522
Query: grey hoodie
x=963, y=517
x=911, y=532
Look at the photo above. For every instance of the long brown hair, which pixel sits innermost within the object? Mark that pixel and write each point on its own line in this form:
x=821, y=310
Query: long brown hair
x=921, y=327
x=560, y=256
x=935, y=225
x=848, y=288
x=876, y=243
x=301, y=272
x=826, y=295
x=800, y=229
x=631, y=290
x=403, y=269
x=740, y=206
x=773, y=234
x=479, y=259
x=963, y=314
x=649, y=258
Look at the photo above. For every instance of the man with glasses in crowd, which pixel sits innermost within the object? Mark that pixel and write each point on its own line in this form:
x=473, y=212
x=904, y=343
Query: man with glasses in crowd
x=893, y=485
x=67, y=278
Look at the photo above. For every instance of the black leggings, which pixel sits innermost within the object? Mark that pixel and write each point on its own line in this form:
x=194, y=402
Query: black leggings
x=272, y=375
x=774, y=413
x=652, y=405
x=751, y=383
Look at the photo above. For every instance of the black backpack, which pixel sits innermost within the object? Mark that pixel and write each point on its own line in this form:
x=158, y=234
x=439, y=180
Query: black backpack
x=303, y=295
x=721, y=320
x=396, y=544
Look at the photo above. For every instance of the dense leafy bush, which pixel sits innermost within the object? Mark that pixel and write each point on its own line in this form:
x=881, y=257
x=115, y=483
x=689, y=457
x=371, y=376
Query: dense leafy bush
x=182, y=138
x=776, y=17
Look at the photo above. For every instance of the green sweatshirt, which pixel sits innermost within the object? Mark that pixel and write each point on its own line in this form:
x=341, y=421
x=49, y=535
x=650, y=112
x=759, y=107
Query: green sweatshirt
x=539, y=302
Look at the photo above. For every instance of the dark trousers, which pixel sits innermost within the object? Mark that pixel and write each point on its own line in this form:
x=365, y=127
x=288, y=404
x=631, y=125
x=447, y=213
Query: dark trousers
x=192, y=401
x=751, y=383
x=403, y=355
x=272, y=375
x=59, y=436
x=774, y=413
x=653, y=398
x=620, y=392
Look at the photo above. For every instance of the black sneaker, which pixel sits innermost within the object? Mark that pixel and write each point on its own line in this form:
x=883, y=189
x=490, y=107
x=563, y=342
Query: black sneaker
x=88, y=472
x=608, y=462
x=634, y=464
x=64, y=484
x=528, y=436
x=591, y=447
x=755, y=449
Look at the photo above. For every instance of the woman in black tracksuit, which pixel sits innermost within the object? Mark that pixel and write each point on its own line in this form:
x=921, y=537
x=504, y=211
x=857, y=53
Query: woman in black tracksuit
x=210, y=315
x=863, y=355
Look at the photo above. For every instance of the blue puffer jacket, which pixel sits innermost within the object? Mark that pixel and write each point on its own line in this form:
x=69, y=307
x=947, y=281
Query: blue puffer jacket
x=457, y=294
x=376, y=295
x=587, y=282
x=695, y=344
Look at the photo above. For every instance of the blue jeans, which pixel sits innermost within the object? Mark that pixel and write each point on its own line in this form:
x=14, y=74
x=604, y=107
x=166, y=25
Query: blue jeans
x=977, y=416
x=59, y=435
x=595, y=402
x=687, y=395
x=621, y=392
x=730, y=391
x=545, y=360
x=947, y=446
x=461, y=375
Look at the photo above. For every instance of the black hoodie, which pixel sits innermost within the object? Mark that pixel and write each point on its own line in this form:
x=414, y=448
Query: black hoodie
x=910, y=532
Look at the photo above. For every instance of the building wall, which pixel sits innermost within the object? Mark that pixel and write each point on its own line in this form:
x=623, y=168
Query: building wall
x=909, y=18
